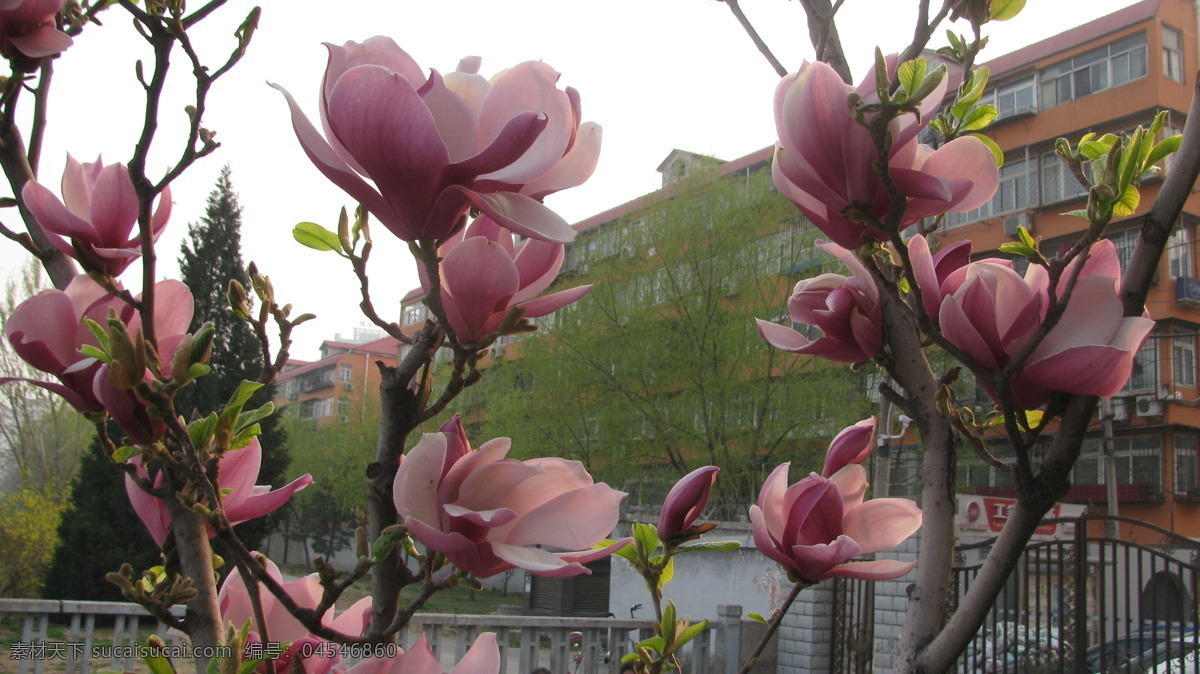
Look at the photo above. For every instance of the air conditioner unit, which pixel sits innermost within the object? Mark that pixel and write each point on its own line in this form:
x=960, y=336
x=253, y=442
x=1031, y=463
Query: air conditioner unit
x=348, y=386
x=1149, y=406
x=343, y=418
x=1015, y=220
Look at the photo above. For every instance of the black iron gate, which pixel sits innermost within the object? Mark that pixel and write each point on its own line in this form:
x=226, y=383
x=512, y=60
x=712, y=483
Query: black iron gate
x=1109, y=594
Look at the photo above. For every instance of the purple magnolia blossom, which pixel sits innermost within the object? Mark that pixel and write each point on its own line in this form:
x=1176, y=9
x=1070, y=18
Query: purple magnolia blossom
x=242, y=499
x=686, y=501
x=98, y=213
x=845, y=309
x=487, y=513
x=814, y=527
x=484, y=275
x=991, y=312
x=28, y=32
x=436, y=146
x=824, y=161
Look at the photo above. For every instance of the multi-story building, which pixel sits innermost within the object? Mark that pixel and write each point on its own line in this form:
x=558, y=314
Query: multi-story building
x=338, y=385
x=1109, y=75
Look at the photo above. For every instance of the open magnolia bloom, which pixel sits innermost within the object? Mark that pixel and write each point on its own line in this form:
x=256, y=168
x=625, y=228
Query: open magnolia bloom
x=991, y=312
x=98, y=213
x=845, y=309
x=824, y=161
x=241, y=498
x=29, y=32
x=488, y=514
x=813, y=528
x=435, y=147
x=484, y=275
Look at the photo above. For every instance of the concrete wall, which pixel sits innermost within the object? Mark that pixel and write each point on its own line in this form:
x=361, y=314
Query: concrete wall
x=704, y=580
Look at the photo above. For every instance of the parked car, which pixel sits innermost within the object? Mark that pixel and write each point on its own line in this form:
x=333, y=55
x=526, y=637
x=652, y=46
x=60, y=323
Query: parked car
x=1144, y=653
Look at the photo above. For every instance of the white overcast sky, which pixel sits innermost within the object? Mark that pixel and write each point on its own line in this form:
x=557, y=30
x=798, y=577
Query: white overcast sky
x=656, y=74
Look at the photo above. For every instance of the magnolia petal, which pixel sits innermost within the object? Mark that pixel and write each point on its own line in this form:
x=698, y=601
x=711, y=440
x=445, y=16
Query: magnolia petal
x=764, y=542
x=482, y=658
x=480, y=279
x=522, y=215
x=852, y=445
x=574, y=168
x=685, y=501
x=258, y=505
x=151, y=510
x=538, y=263
x=882, y=523
x=415, y=489
x=553, y=302
x=114, y=207
x=53, y=216
x=574, y=520
x=490, y=452
x=42, y=42
x=880, y=569
x=331, y=164
x=528, y=86
x=84, y=406
x=483, y=518
x=813, y=562
x=537, y=561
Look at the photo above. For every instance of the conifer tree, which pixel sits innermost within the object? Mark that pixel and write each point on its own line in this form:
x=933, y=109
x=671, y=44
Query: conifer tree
x=210, y=257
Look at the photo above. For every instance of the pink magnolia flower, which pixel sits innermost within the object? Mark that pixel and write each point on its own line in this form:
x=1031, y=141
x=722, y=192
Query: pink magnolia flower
x=686, y=501
x=28, y=32
x=991, y=313
x=931, y=271
x=484, y=275
x=488, y=513
x=482, y=658
x=241, y=498
x=815, y=526
x=845, y=309
x=99, y=215
x=437, y=146
x=824, y=159
x=315, y=655
x=47, y=330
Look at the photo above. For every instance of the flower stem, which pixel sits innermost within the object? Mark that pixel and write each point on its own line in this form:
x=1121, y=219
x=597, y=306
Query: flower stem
x=772, y=627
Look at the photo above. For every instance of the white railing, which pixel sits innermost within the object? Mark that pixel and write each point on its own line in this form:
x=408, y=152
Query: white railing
x=576, y=645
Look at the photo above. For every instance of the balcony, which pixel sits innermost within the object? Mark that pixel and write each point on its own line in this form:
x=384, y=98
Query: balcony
x=1090, y=493
x=1187, y=292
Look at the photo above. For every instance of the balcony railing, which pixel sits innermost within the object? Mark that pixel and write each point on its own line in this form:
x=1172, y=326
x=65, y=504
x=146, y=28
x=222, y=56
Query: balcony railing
x=582, y=645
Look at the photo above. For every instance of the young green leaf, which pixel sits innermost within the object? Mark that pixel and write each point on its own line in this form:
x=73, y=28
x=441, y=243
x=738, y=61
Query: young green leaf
x=911, y=74
x=979, y=118
x=708, y=546
x=757, y=617
x=997, y=153
x=1127, y=203
x=125, y=453
x=1003, y=10
x=692, y=631
x=316, y=237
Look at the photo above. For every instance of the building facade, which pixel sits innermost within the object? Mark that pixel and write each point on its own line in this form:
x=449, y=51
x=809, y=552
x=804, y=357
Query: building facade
x=337, y=387
x=1107, y=76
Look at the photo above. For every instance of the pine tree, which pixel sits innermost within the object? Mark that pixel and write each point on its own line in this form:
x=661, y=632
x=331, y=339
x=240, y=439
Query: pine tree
x=211, y=257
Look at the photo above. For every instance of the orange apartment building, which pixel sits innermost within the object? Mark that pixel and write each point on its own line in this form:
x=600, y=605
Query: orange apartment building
x=1108, y=75
x=341, y=383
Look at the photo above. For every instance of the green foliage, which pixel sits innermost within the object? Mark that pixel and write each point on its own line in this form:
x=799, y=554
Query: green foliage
x=660, y=369
x=327, y=512
x=28, y=535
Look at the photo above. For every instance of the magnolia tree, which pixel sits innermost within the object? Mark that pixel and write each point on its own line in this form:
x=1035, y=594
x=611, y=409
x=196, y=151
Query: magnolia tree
x=457, y=165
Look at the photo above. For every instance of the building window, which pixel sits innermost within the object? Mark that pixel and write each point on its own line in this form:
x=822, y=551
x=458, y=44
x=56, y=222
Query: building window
x=1183, y=360
x=1014, y=98
x=1145, y=369
x=1187, y=482
x=414, y=314
x=1109, y=66
x=1138, y=459
x=1124, y=241
x=1058, y=182
x=1013, y=194
x=1179, y=253
x=345, y=372
x=1172, y=53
